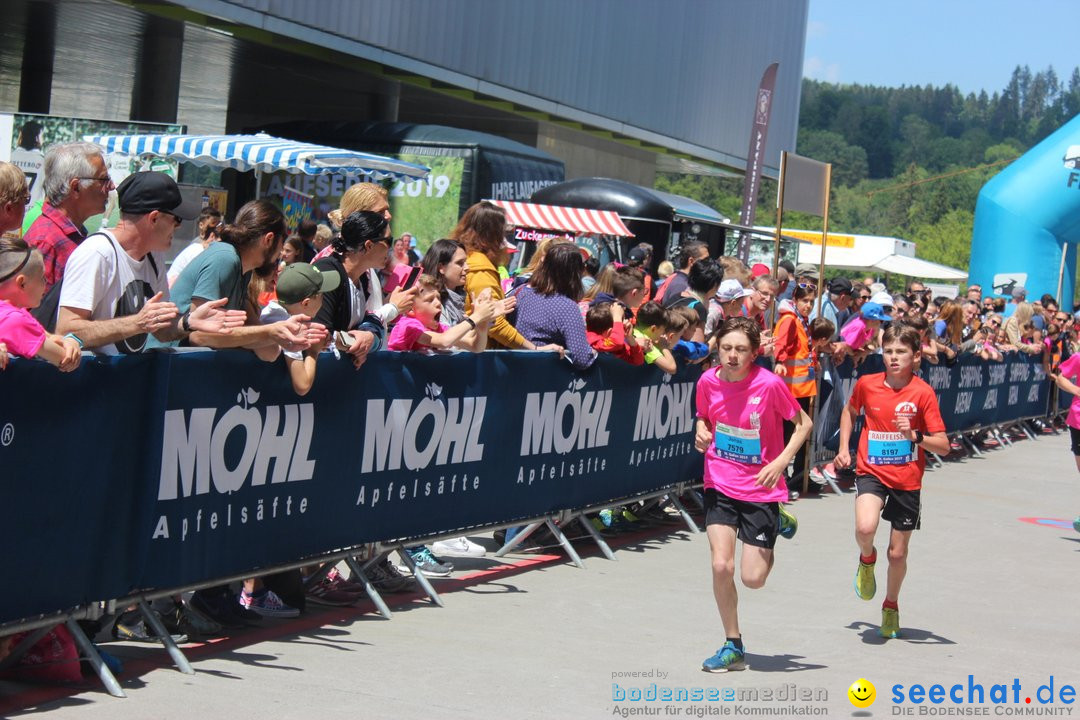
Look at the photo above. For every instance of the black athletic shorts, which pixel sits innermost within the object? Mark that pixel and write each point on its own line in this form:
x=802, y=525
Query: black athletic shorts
x=902, y=507
x=755, y=523
x=1075, y=435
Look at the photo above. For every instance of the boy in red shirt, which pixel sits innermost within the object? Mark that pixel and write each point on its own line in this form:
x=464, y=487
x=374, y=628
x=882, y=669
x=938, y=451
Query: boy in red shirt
x=902, y=416
x=609, y=328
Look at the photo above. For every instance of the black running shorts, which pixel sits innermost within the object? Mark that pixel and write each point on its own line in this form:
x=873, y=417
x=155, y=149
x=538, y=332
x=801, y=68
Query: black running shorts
x=902, y=507
x=1075, y=435
x=755, y=523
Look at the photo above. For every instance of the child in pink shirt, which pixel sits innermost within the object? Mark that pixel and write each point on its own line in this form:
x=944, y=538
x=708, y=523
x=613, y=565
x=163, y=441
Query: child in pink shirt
x=863, y=328
x=421, y=330
x=741, y=408
x=22, y=285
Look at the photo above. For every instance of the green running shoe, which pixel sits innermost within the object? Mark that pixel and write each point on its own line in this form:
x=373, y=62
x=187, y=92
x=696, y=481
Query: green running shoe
x=890, y=623
x=865, y=583
x=788, y=524
x=1076, y=524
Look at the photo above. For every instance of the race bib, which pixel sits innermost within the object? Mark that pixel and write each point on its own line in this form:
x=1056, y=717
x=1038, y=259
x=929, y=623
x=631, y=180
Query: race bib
x=885, y=448
x=738, y=445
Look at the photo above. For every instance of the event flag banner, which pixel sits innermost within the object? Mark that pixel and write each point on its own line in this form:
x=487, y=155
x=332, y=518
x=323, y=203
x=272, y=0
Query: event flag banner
x=296, y=206
x=755, y=158
x=206, y=465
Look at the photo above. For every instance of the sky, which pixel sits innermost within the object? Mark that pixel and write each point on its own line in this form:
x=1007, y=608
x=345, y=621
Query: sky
x=972, y=44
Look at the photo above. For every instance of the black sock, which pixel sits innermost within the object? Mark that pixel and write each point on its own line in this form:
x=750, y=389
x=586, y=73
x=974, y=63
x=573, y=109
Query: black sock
x=737, y=642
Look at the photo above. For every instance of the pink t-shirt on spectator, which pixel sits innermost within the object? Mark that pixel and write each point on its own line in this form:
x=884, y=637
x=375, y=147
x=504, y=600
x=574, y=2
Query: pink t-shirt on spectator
x=855, y=333
x=748, y=431
x=1070, y=369
x=22, y=334
x=396, y=278
x=406, y=334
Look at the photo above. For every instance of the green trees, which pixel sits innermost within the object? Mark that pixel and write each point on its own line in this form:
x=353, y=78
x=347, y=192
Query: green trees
x=907, y=162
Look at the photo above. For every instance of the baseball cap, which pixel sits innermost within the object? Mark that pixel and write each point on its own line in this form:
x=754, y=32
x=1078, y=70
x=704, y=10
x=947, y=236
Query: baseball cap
x=806, y=270
x=300, y=281
x=759, y=269
x=636, y=254
x=840, y=286
x=143, y=192
x=882, y=298
x=732, y=290
x=1019, y=292
x=873, y=311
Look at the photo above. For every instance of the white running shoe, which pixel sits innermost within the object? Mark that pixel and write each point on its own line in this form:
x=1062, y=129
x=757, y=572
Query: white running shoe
x=458, y=547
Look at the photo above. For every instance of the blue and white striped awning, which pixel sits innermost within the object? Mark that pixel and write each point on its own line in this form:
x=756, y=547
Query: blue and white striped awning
x=261, y=153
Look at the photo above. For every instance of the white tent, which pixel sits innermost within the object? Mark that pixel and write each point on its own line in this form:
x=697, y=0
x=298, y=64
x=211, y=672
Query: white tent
x=870, y=252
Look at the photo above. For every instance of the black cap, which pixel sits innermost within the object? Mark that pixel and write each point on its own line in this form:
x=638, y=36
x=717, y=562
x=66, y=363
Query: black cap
x=636, y=254
x=840, y=286
x=143, y=192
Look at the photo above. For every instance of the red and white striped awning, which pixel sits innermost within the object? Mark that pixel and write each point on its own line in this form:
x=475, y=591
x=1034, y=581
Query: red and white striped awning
x=552, y=217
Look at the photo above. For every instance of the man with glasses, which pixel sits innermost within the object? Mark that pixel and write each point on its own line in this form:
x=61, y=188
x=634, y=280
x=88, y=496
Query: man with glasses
x=76, y=188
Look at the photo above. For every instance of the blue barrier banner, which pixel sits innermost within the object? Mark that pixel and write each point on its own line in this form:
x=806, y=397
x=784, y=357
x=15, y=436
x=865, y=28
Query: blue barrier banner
x=972, y=393
x=169, y=469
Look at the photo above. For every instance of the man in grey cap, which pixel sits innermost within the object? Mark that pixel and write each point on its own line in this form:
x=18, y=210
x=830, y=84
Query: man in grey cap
x=1019, y=295
x=115, y=292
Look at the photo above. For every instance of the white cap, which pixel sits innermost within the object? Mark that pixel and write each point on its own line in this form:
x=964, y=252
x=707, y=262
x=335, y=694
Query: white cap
x=882, y=298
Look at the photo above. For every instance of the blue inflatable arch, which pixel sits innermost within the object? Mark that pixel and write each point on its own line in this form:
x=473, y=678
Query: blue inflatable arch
x=1026, y=216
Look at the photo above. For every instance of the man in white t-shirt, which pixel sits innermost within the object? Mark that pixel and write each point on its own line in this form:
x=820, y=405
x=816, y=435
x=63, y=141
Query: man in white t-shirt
x=115, y=292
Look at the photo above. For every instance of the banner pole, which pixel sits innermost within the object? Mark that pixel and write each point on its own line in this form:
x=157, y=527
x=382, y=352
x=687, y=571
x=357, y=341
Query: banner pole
x=807, y=448
x=1061, y=272
x=779, y=212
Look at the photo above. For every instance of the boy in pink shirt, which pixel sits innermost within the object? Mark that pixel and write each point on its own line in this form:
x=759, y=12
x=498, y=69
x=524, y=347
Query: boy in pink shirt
x=741, y=408
x=22, y=285
x=861, y=329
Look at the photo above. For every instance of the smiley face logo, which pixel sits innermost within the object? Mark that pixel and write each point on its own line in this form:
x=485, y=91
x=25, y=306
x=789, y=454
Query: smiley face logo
x=862, y=693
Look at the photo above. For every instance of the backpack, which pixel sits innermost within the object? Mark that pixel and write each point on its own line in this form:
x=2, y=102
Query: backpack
x=47, y=311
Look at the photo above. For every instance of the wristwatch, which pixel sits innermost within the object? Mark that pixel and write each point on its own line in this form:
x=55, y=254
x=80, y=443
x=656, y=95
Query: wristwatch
x=185, y=322
x=919, y=437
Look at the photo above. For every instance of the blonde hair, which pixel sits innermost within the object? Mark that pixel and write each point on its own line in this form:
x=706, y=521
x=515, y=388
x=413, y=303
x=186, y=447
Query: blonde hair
x=665, y=268
x=361, y=196
x=12, y=183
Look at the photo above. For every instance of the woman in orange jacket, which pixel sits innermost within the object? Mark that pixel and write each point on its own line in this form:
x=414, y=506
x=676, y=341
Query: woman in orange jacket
x=796, y=361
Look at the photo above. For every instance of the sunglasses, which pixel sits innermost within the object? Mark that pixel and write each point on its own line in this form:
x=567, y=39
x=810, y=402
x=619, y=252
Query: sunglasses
x=808, y=286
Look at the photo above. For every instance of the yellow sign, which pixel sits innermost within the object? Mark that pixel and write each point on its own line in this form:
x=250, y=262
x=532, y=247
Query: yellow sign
x=814, y=236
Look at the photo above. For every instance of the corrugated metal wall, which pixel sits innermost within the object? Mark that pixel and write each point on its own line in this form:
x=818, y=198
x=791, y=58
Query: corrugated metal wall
x=686, y=70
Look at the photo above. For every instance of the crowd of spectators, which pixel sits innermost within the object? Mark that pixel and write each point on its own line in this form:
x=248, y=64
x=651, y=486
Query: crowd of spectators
x=352, y=288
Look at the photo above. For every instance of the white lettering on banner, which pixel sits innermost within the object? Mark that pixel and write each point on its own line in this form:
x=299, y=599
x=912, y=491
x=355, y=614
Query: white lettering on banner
x=263, y=509
x=1037, y=373
x=405, y=491
x=434, y=429
x=545, y=428
x=991, y=400
x=1014, y=394
x=520, y=190
x=940, y=378
x=1033, y=394
x=963, y=402
x=1019, y=372
x=996, y=374
x=193, y=447
x=971, y=377
x=664, y=410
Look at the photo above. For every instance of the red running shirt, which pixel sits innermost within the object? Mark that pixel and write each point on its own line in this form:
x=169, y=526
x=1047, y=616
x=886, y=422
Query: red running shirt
x=883, y=451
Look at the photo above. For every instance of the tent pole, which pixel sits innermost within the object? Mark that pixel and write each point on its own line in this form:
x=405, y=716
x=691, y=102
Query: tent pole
x=780, y=214
x=1061, y=272
x=808, y=446
x=258, y=183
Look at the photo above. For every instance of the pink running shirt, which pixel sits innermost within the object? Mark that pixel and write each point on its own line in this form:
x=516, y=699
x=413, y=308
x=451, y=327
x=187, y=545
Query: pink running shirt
x=1070, y=369
x=22, y=334
x=747, y=417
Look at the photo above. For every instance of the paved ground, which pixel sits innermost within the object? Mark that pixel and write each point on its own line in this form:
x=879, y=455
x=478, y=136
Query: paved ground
x=987, y=595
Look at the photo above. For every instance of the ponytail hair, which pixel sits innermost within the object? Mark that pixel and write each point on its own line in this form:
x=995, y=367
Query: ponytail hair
x=253, y=221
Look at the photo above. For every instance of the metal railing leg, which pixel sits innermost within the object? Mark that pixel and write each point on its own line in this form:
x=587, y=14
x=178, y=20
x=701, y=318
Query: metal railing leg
x=685, y=515
x=369, y=588
x=102, y=670
x=600, y=542
x=518, y=539
x=420, y=577
x=574, y=557
x=971, y=444
x=175, y=653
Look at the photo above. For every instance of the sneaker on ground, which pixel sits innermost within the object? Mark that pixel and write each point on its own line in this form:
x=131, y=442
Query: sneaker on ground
x=223, y=608
x=865, y=582
x=817, y=476
x=458, y=547
x=340, y=583
x=890, y=623
x=788, y=524
x=630, y=517
x=1076, y=524
x=138, y=632
x=199, y=623
x=829, y=470
x=386, y=578
x=606, y=516
x=267, y=604
x=726, y=659
x=429, y=564
x=325, y=592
